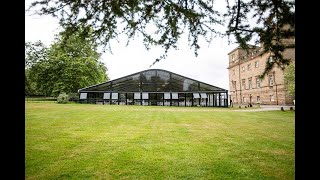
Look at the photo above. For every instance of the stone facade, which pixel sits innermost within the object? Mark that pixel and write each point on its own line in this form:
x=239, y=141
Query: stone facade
x=245, y=86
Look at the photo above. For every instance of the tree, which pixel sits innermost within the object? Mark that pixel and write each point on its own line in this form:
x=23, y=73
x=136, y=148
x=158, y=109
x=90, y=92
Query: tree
x=71, y=64
x=35, y=54
x=289, y=77
x=162, y=22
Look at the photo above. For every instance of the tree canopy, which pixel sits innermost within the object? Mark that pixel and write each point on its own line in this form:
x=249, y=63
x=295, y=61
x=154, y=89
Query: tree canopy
x=68, y=65
x=162, y=22
x=35, y=54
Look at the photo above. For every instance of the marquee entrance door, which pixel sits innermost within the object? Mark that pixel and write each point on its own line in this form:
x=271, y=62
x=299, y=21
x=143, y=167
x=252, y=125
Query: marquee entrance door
x=156, y=99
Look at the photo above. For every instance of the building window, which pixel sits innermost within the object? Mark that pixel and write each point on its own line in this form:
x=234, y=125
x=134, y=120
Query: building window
x=250, y=83
x=242, y=68
x=232, y=57
x=271, y=97
x=243, y=84
x=258, y=99
x=257, y=82
x=249, y=67
x=256, y=64
x=234, y=84
x=270, y=59
x=271, y=82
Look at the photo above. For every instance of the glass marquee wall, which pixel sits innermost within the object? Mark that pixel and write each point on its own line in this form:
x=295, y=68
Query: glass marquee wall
x=155, y=87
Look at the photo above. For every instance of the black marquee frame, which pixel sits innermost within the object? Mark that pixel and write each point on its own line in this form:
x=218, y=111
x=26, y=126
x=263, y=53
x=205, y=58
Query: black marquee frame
x=156, y=85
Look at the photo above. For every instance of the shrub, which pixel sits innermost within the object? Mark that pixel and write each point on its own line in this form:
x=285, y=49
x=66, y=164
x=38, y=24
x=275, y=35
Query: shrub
x=73, y=97
x=63, y=98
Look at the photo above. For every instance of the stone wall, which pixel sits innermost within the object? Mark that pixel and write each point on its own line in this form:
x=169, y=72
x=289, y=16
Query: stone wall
x=244, y=68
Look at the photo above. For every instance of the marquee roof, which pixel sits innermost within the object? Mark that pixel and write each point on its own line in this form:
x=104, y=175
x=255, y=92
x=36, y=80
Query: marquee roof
x=153, y=80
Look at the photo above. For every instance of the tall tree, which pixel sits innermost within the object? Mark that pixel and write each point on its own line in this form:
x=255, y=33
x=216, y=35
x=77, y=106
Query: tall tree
x=71, y=64
x=161, y=22
x=35, y=54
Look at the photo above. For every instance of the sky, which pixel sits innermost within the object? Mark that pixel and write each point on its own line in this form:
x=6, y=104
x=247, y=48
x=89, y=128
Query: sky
x=210, y=66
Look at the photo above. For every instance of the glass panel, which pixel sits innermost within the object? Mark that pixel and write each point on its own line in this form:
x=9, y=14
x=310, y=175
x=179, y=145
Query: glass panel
x=218, y=100
x=196, y=95
x=149, y=81
x=83, y=95
x=190, y=85
x=136, y=95
x=153, y=81
x=160, y=99
x=175, y=102
x=203, y=101
x=94, y=95
x=114, y=95
x=210, y=100
x=101, y=87
x=145, y=96
x=176, y=83
x=127, y=84
x=153, y=98
x=145, y=102
x=189, y=99
x=166, y=102
x=130, y=98
x=166, y=95
x=205, y=87
x=174, y=95
x=122, y=98
x=203, y=95
x=196, y=101
x=163, y=76
x=106, y=95
x=222, y=101
x=137, y=102
x=181, y=99
x=147, y=75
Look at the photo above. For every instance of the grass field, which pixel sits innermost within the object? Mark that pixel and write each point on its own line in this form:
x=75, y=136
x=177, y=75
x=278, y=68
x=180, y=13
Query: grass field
x=85, y=141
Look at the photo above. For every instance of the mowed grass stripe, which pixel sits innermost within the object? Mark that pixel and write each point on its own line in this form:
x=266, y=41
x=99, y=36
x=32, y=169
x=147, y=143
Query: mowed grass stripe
x=84, y=141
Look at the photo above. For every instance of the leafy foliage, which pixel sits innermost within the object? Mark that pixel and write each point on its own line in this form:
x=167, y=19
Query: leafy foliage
x=70, y=64
x=274, y=24
x=289, y=77
x=35, y=54
x=73, y=97
x=62, y=98
x=162, y=22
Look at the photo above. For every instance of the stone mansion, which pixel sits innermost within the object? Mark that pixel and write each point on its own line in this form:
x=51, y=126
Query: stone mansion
x=244, y=83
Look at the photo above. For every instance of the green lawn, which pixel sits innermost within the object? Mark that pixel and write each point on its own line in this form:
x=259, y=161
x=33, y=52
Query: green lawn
x=85, y=141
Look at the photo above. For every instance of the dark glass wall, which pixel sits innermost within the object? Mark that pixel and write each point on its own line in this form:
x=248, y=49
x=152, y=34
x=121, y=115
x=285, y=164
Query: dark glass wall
x=157, y=87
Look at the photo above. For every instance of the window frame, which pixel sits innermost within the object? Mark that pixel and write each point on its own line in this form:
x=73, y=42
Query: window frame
x=258, y=80
x=243, y=83
x=271, y=80
x=256, y=64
